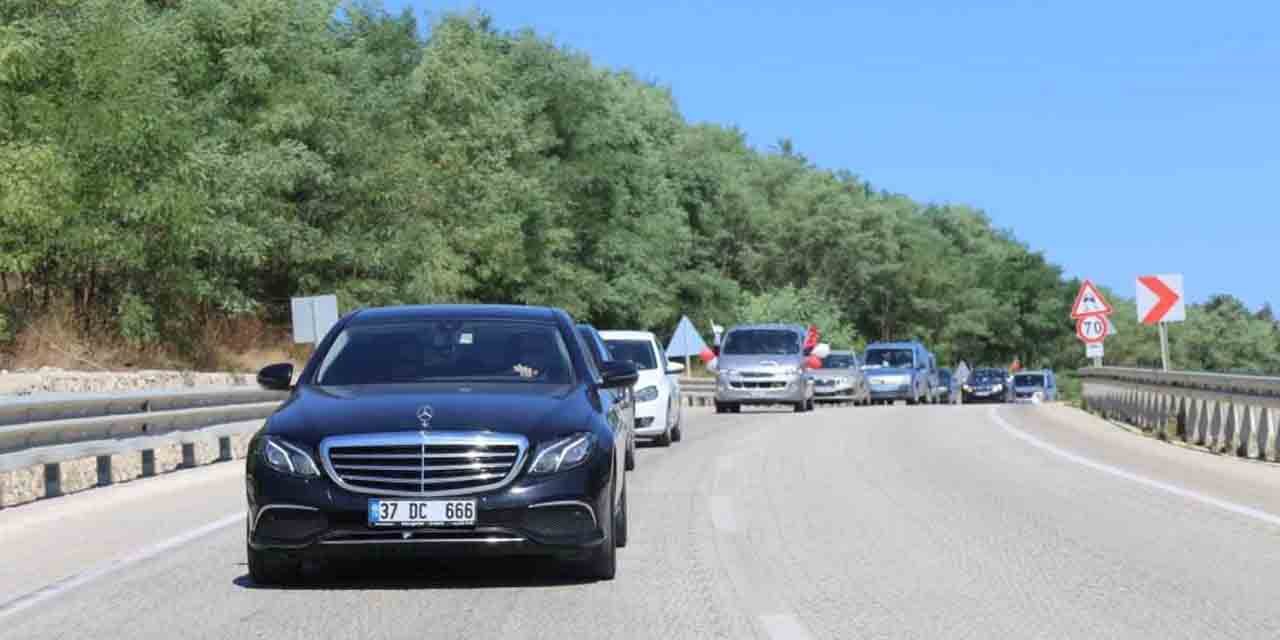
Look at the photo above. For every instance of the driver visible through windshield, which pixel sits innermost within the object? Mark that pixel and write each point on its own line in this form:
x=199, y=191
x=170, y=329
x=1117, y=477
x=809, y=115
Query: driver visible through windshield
x=438, y=351
x=890, y=358
x=761, y=341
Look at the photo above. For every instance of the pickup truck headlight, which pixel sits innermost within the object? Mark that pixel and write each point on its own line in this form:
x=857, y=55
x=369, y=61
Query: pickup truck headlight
x=288, y=458
x=563, y=454
x=647, y=394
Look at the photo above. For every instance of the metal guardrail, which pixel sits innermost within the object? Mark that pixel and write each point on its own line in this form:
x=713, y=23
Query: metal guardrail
x=1225, y=413
x=1217, y=382
x=52, y=444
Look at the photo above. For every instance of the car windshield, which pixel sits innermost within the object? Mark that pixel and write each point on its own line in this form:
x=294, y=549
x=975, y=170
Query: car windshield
x=761, y=341
x=988, y=376
x=839, y=361
x=891, y=358
x=944, y=377
x=434, y=351
x=637, y=351
x=1028, y=380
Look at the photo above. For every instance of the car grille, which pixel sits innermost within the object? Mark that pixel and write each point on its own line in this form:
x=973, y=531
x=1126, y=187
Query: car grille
x=424, y=463
x=758, y=385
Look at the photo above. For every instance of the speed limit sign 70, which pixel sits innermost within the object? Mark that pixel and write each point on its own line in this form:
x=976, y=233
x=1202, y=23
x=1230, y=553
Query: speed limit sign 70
x=1092, y=329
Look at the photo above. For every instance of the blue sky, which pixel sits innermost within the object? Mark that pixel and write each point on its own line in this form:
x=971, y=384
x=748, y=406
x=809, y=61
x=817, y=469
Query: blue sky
x=1122, y=138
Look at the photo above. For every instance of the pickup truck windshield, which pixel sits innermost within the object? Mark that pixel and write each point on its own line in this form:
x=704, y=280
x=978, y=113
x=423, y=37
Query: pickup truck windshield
x=438, y=351
x=761, y=341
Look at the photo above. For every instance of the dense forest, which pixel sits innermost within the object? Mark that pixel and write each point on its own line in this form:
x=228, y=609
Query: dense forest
x=167, y=165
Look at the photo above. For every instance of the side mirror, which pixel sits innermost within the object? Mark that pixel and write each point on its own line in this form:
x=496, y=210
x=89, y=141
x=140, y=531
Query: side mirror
x=619, y=374
x=276, y=377
x=675, y=367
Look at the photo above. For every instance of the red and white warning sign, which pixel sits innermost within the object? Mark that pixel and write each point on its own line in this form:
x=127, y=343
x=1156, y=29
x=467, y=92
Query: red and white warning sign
x=1089, y=302
x=1092, y=329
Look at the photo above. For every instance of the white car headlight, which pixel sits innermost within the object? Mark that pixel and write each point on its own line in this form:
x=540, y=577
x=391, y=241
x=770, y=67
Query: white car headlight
x=288, y=458
x=647, y=394
x=562, y=454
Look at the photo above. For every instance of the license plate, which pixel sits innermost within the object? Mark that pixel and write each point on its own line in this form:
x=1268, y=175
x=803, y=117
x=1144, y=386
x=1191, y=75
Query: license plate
x=451, y=513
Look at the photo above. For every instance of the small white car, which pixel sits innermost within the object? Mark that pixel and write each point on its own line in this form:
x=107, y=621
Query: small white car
x=658, y=413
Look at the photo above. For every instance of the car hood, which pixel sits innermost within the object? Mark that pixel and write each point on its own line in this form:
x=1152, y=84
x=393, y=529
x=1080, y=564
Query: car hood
x=537, y=411
x=832, y=373
x=650, y=378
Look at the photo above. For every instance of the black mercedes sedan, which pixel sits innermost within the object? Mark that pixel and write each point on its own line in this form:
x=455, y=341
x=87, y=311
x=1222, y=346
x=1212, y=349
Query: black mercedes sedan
x=442, y=430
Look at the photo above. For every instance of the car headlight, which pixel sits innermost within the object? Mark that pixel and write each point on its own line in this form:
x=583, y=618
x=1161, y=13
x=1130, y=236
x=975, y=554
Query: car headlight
x=647, y=394
x=842, y=380
x=288, y=458
x=562, y=454
x=967, y=388
x=998, y=388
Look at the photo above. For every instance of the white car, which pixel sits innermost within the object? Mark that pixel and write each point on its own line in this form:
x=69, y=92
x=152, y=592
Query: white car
x=658, y=413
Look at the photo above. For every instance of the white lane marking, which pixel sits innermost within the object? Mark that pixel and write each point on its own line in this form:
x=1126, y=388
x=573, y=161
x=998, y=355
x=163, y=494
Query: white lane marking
x=722, y=514
x=31, y=599
x=784, y=626
x=1225, y=505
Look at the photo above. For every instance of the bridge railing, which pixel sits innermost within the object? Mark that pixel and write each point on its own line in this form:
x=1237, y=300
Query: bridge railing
x=1224, y=413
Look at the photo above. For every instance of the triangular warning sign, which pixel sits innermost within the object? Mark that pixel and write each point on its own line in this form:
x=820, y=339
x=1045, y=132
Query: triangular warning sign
x=1089, y=302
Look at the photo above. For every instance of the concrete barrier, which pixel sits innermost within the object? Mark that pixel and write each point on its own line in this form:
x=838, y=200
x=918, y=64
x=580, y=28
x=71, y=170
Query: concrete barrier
x=1226, y=414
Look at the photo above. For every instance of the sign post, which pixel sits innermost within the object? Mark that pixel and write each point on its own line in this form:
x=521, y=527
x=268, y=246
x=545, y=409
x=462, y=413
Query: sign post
x=1160, y=301
x=1093, y=323
x=313, y=317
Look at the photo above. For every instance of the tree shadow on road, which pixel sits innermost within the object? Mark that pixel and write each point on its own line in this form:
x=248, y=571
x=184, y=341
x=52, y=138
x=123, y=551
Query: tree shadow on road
x=391, y=573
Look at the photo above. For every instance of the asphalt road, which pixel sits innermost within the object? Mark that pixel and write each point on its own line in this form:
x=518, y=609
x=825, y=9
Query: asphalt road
x=883, y=522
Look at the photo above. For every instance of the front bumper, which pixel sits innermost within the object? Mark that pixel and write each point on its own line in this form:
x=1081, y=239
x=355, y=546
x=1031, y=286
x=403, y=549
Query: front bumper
x=984, y=396
x=892, y=392
x=651, y=418
x=778, y=390
x=559, y=515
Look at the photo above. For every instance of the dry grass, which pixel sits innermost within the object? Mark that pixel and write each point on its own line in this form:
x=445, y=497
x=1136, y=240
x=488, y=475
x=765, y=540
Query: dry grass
x=242, y=344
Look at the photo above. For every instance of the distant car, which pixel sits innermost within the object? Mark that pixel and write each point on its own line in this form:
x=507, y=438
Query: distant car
x=899, y=371
x=1035, y=386
x=987, y=385
x=626, y=397
x=763, y=364
x=658, y=412
x=841, y=379
x=945, y=390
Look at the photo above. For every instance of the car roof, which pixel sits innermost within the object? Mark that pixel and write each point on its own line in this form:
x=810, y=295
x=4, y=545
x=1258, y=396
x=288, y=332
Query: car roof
x=911, y=344
x=455, y=311
x=616, y=334
x=770, y=325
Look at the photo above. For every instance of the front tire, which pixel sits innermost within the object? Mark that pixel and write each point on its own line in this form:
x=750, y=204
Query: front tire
x=621, y=530
x=631, y=453
x=602, y=564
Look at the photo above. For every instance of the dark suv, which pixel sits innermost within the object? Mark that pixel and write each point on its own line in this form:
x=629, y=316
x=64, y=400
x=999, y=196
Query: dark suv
x=442, y=430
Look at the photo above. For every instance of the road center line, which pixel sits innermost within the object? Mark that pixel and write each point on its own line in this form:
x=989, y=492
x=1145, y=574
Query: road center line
x=1238, y=509
x=49, y=592
x=784, y=626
